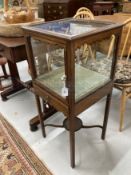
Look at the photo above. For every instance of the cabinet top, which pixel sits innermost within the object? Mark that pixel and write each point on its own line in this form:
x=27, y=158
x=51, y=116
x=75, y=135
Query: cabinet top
x=72, y=28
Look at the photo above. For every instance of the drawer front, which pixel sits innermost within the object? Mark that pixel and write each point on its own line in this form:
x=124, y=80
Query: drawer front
x=53, y=101
x=55, y=11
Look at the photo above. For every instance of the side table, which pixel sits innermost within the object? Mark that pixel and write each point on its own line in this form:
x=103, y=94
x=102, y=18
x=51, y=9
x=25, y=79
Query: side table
x=14, y=50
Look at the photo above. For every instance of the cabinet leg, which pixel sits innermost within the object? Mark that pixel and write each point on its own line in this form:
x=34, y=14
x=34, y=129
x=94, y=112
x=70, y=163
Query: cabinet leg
x=107, y=107
x=72, y=142
x=41, y=115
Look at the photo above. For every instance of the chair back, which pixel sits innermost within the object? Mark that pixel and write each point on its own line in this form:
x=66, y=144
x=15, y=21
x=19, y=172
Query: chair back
x=125, y=44
x=81, y=9
x=84, y=15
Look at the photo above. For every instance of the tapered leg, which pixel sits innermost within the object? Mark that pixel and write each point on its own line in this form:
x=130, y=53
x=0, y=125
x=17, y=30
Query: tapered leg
x=107, y=107
x=41, y=115
x=122, y=108
x=72, y=142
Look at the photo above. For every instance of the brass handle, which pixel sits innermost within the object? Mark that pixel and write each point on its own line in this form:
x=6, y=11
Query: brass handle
x=60, y=7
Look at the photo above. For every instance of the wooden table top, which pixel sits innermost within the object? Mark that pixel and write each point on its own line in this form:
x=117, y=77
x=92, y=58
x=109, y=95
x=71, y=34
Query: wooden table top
x=122, y=18
x=11, y=42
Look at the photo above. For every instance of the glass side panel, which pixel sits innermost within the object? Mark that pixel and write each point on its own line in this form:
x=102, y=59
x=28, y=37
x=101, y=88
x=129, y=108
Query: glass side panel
x=49, y=64
x=93, y=66
x=71, y=27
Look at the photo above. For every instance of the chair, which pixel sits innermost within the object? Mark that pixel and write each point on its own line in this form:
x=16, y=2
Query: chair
x=123, y=78
x=85, y=13
x=81, y=9
x=105, y=46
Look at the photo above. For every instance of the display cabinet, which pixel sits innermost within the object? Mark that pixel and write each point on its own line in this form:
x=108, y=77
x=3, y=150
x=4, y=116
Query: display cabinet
x=67, y=69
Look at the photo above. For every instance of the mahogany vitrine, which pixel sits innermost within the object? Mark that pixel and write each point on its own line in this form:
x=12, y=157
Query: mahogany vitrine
x=67, y=69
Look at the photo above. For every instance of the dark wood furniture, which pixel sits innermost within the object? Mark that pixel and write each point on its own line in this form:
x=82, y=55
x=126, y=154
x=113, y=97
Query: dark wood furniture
x=63, y=77
x=14, y=50
x=100, y=7
x=58, y=9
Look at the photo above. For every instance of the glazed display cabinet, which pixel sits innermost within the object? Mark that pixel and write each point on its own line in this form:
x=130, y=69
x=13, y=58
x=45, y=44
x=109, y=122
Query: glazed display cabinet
x=70, y=72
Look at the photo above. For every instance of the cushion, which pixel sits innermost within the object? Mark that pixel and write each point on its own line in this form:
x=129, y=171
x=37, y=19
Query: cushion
x=123, y=72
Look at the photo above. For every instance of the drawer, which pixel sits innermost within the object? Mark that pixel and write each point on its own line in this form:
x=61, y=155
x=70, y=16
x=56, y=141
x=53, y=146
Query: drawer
x=55, y=11
x=53, y=101
x=55, y=6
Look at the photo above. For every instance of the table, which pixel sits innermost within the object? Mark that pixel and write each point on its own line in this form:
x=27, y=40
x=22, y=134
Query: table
x=14, y=50
x=122, y=18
